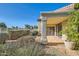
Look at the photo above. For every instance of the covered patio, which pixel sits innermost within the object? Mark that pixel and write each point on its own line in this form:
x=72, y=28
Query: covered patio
x=50, y=26
x=51, y=23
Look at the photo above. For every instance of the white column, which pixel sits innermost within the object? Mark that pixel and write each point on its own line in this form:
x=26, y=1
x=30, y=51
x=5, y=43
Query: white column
x=43, y=30
x=39, y=25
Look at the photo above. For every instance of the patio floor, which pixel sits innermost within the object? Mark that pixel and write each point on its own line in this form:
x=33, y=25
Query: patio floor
x=52, y=40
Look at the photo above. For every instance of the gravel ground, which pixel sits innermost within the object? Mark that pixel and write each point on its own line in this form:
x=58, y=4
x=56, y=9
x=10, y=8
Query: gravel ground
x=59, y=50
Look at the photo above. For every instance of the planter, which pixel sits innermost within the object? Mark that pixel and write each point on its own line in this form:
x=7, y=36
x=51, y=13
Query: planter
x=64, y=37
x=69, y=45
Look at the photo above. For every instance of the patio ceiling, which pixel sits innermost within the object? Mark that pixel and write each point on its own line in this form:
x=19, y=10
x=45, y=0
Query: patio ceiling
x=56, y=20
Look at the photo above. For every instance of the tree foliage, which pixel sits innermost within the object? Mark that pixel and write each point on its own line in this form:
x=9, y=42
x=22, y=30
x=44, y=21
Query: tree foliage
x=76, y=6
x=27, y=26
x=30, y=27
x=72, y=26
x=3, y=25
x=35, y=27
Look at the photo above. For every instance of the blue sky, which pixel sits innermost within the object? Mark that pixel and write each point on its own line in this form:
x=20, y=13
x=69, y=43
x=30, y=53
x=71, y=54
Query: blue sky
x=18, y=14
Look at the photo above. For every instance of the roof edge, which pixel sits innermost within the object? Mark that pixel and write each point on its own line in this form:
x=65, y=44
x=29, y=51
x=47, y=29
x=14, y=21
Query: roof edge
x=54, y=11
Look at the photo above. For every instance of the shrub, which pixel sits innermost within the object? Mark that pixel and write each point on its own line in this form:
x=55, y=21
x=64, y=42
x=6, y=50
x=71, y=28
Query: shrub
x=14, y=34
x=3, y=37
x=77, y=45
x=34, y=33
x=24, y=46
x=71, y=27
x=2, y=51
x=30, y=50
x=76, y=6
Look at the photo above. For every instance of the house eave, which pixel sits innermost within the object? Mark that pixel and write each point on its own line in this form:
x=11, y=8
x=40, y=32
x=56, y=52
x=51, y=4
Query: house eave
x=53, y=14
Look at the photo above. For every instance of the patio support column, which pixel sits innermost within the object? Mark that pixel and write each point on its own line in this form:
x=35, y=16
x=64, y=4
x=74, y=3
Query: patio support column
x=39, y=25
x=43, y=30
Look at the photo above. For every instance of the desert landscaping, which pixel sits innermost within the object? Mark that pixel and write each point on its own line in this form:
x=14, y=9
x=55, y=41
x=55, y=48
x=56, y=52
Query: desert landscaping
x=23, y=42
x=57, y=35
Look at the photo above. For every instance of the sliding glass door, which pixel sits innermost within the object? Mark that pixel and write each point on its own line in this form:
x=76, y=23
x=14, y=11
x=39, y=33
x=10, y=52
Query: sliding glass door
x=59, y=29
x=50, y=31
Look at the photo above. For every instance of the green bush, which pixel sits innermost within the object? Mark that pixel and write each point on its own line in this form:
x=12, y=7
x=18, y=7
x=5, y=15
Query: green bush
x=71, y=27
x=34, y=33
x=76, y=6
x=77, y=45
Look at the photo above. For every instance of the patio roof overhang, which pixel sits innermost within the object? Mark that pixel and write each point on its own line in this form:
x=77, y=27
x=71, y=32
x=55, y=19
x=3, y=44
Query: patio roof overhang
x=54, y=14
x=58, y=15
x=55, y=18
